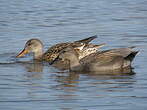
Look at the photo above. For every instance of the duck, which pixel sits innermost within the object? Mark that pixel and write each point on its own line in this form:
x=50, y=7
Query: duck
x=106, y=60
x=82, y=51
x=35, y=46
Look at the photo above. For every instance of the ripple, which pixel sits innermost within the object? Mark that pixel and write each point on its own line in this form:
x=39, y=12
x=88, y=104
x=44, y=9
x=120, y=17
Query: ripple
x=19, y=101
x=25, y=84
x=119, y=19
x=29, y=11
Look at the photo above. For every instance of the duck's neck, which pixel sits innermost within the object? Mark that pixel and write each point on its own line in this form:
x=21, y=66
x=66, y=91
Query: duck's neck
x=38, y=54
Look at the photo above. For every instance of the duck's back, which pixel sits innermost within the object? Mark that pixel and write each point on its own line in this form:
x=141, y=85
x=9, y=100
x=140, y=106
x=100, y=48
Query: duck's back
x=53, y=51
x=108, y=60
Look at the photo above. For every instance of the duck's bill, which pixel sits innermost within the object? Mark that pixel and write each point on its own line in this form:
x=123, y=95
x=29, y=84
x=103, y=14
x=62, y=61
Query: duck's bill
x=22, y=53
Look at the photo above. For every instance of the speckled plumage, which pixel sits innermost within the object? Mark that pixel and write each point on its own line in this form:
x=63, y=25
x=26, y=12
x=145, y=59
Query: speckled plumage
x=53, y=52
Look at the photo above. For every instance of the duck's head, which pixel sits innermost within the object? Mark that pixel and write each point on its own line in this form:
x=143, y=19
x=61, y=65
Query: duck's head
x=68, y=53
x=34, y=46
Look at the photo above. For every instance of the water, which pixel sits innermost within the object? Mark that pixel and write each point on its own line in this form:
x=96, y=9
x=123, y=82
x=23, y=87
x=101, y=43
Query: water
x=25, y=85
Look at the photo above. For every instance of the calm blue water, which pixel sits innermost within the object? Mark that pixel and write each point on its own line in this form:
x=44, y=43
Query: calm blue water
x=30, y=86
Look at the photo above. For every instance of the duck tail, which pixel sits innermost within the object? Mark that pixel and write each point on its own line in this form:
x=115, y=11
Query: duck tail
x=131, y=56
x=87, y=40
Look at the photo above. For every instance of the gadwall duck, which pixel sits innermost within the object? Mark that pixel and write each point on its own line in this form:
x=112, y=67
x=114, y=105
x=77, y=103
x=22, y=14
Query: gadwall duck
x=36, y=46
x=82, y=51
x=108, y=60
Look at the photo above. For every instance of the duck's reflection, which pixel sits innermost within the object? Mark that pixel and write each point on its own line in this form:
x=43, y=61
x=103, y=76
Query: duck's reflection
x=71, y=85
x=68, y=86
x=34, y=69
x=70, y=79
x=34, y=66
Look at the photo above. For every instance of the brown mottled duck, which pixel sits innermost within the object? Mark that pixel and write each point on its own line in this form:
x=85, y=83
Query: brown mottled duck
x=36, y=47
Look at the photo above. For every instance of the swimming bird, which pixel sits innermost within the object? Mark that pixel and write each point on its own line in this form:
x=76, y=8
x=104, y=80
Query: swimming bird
x=82, y=51
x=108, y=60
x=36, y=47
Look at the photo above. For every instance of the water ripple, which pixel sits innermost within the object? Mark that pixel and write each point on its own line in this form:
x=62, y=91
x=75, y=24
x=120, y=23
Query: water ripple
x=25, y=84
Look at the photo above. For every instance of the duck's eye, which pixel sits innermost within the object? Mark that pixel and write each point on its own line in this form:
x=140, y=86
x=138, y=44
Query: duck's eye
x=29, y=44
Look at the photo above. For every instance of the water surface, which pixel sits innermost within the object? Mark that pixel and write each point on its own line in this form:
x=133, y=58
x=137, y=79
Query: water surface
x=25, y=85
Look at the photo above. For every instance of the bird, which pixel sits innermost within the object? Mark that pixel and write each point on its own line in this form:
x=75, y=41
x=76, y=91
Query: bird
x=107, y=60
x=35, y=46
x=82, y=51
